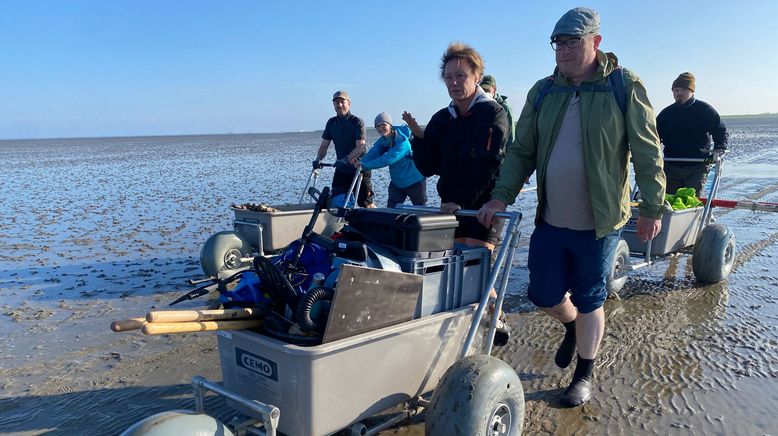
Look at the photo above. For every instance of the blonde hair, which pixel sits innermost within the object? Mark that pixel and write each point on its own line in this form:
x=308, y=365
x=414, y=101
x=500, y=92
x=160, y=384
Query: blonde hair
x=460, y=50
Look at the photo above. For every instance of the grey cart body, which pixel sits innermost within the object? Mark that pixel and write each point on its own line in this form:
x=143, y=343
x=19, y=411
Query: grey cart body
x=321, y=389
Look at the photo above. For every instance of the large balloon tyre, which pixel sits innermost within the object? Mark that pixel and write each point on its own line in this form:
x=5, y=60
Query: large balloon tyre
x=713, y=254
x=618, y=273
x=478, y=395
x=222, y=251
x=176, y=423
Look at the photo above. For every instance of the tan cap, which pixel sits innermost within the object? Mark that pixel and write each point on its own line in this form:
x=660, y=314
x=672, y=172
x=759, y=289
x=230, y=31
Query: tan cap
x=340, y=94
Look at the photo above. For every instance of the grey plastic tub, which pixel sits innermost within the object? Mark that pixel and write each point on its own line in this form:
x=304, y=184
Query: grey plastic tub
x=450, y=281
x=279, y=228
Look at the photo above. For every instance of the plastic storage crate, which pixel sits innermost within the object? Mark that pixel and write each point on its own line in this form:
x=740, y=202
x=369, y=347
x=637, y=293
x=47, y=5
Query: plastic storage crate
x=451, y=281
x=405, y=231
x=279, y=228
x=322, y=389
x=679, y=230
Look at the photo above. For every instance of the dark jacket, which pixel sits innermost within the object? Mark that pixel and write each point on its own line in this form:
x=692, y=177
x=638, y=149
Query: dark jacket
x=686, y=128
x=465, y=150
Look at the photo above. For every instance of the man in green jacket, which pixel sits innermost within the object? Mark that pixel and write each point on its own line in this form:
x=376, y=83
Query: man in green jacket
x=489, y=85
x=579, y=140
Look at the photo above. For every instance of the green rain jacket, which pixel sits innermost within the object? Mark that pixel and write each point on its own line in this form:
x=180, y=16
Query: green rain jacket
x=503, y=100
x=609, y=137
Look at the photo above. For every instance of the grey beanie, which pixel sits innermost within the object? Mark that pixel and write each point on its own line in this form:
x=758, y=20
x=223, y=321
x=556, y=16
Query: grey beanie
x=577, y=22
x=383, y=117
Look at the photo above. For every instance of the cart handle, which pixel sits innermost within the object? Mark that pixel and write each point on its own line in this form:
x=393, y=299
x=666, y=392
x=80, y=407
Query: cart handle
x=460, y=212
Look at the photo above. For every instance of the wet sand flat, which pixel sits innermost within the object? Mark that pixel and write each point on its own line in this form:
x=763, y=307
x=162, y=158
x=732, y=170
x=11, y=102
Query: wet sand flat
x=95, y=230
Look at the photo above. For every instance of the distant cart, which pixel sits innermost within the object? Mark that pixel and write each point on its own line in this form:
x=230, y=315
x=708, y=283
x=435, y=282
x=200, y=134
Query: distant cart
x=689, y=231
x=393, y=335
x=267, y=229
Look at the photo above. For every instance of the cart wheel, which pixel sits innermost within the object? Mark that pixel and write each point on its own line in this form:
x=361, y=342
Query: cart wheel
x=478, y=395
x=178, y=422
x=618, y=275
x=222, y=251
x=713, y=253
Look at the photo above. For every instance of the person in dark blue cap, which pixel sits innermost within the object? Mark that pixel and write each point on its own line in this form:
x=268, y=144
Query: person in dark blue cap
x=575, y=134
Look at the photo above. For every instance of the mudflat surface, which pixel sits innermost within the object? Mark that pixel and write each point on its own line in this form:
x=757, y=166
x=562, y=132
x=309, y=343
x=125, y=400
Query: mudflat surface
x=102, y=229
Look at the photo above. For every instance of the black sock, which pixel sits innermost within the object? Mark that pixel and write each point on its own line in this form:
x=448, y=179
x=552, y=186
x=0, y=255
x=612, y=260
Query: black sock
x=583, y=369
x=566, y=351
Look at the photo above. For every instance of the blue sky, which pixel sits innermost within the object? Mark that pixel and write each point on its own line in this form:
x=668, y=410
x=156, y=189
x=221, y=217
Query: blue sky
x=111, y=68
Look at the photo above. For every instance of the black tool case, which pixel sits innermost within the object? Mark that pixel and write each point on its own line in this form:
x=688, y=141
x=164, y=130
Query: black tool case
x=414, y=231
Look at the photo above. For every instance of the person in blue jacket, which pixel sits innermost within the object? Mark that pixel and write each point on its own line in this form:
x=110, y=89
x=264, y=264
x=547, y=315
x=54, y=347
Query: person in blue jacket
x=393, y=149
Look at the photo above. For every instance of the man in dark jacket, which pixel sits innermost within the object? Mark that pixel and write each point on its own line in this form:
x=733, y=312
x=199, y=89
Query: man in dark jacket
x=463, y=143
x=686, y=128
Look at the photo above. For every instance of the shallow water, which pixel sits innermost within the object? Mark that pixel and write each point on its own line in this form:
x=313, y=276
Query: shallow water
x=94, y=230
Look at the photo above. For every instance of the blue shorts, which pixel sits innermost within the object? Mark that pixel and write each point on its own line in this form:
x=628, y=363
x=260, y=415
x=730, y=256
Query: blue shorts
x=575, y=260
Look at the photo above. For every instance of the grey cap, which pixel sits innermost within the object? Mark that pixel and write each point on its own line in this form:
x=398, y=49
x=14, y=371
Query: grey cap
x=383, y=117
x=577, y=22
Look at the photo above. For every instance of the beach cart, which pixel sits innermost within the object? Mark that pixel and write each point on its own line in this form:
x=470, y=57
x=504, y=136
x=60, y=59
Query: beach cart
x=411, y=314
x=265, y=229
x=687, y=231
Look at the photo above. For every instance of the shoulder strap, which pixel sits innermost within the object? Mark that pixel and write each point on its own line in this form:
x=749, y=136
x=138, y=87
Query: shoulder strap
x=543, y=92
x=618, y=86
x=615, y=85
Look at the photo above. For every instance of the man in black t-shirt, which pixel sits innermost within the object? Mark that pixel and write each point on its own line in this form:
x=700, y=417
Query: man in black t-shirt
x=348, y=133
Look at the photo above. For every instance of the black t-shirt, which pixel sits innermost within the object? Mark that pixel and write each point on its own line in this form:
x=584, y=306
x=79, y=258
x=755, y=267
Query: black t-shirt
x=344, y=132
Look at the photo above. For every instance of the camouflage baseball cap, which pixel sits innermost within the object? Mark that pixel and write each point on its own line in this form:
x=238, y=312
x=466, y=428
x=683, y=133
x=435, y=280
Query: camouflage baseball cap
x=488, y=80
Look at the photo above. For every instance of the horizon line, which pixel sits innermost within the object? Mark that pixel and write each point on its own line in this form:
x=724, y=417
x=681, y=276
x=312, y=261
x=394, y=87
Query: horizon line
x=165, y=135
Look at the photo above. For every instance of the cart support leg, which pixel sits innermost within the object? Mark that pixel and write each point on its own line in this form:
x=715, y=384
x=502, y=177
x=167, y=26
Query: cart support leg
x=510, y=244
x=270, y=414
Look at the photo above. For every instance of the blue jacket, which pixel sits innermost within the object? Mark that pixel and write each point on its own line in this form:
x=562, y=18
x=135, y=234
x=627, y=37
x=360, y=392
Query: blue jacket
x=397, y=156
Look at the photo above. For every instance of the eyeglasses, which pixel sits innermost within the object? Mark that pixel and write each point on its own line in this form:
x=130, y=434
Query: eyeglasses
x=570, y=43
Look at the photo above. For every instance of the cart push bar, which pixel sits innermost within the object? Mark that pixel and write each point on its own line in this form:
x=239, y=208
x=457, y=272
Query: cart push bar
x=755, y=206
x=356, y=182
x=504, y=258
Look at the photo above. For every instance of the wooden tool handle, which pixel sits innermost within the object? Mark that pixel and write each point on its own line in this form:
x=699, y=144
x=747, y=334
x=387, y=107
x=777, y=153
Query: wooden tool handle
x=127, y=324
x=158, y=328
x=200, y=315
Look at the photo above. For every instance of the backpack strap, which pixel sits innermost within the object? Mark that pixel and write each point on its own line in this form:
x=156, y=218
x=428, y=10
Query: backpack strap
x=619, y=87
x=547, y=86
x=615, y=85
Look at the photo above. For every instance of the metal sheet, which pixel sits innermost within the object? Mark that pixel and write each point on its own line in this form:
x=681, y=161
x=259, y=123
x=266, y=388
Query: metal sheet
x=368, y=299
